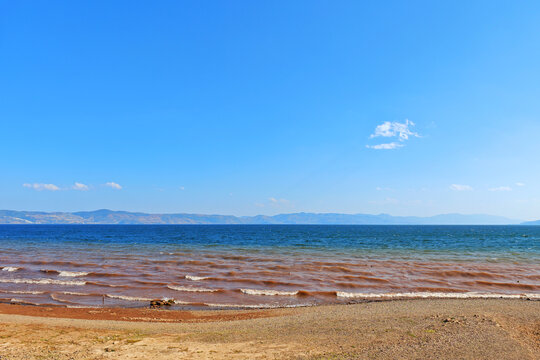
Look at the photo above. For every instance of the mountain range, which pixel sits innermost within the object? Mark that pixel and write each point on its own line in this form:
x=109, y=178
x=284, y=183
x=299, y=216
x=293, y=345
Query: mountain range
x=536, y=222
x=105, y=216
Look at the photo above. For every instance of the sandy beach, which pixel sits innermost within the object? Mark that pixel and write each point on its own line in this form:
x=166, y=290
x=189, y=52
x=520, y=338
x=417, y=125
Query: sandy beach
x=410, y=329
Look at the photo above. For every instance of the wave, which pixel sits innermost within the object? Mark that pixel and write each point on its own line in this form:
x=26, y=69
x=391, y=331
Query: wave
x=43, y=282
x=79, y=293
x=72, y=273
x=365, y=278
x=466, y=295
x=196, y=278
x=257, y=306
x=102, y=274
x=10, y=268
x=56, y=298
x=111, y=296
x=23, y=302
x=256, y=282
x=505, y=285
x=22, y=292
x=465, y=274
x=191, y=289
x=107, y=285
x=128, y=298
x=269, y=292
x=64, y=273
x=151, y=283
x=65, y=264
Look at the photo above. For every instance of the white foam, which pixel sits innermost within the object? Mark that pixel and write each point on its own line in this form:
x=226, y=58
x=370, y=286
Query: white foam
x=75, y=293
x=10, y=268
x=256, y=306
x=269, y=292
x=22, y=292
x=56, y=298
x=20, y=301
x=190, y=289
x=128, y=298
x=424, y=295
x=196, y=278
x=43, y=282
x=72, y=273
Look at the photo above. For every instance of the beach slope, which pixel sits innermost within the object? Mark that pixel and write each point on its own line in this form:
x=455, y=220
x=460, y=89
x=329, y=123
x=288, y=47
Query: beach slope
x=411, y=329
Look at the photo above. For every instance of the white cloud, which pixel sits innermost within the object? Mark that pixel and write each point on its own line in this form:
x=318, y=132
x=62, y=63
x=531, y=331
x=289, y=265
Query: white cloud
x=501, y=188
x=80, y=187
x=391, y=129
x=40, y=186
x=182, y=188
x=520, y=184
x=279, y=201
x=396, y=129
x=388, y=146
x=114, y=185
x=457, y=187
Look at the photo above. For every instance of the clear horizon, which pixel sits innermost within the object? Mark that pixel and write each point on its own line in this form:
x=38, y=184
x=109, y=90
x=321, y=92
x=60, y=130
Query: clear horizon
x=265, y=108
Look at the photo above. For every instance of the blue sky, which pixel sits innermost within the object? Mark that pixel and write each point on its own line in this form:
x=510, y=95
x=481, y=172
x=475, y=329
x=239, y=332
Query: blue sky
x=263, y=107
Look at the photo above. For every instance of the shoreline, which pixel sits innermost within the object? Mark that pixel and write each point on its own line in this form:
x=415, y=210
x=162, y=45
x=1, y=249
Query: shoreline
x=168, y=315
x=420, y=328
x=132, y=314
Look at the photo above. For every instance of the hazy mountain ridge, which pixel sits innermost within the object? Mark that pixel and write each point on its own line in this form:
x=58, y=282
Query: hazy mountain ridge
x=536, y=222
x=124, y=217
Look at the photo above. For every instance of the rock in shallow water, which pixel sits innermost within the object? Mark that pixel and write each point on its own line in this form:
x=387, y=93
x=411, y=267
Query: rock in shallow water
x=159, y=303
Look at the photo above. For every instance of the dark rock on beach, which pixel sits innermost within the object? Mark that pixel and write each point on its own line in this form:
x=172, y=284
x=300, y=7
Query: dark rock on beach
x=155, y=304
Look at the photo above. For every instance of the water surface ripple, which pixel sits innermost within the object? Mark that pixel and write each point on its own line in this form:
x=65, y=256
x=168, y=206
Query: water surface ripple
x=203, y=266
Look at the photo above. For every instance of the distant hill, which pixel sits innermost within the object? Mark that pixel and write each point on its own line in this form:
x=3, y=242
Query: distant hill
x=124, y=217
x=536, y=222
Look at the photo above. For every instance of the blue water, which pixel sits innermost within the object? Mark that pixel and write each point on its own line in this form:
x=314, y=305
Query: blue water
x=460, y=242
x=135, y=260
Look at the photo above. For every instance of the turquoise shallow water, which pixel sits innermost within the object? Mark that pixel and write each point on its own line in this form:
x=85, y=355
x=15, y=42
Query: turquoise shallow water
x=262, y=265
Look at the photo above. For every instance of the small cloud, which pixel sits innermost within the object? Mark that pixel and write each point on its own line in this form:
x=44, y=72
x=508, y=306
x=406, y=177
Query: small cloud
x=279, y=201
x=388, y=146
x=501, y=188
x=457, y=187
x=80, y=187
x=520, y=184
x=182, y=188
x=40, y=186
x=114, y=185
x=396, y=129
x=391, y=129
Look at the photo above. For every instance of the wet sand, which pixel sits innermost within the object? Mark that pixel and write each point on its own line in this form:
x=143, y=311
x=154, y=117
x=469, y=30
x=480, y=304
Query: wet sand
x=409, y=329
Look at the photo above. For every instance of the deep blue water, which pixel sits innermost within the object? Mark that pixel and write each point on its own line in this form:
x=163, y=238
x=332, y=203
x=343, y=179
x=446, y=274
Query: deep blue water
x=503, y=242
